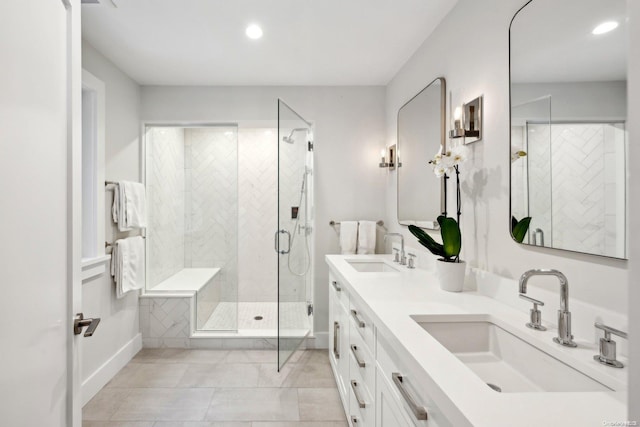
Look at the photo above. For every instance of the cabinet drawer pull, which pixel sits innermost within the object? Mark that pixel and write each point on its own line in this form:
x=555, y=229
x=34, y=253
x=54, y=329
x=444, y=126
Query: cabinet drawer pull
x=354, y=349
x=418, y=411
x=358, y=320
x=354, y=386
x=354, y=420
x=336, y=340
x=336, y=286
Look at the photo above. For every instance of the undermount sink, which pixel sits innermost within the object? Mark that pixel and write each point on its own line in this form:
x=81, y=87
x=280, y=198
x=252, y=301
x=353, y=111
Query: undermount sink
x=502, y=360
x=371, y=266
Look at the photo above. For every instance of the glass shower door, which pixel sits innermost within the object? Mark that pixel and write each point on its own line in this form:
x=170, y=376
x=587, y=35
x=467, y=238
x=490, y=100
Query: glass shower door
x=293, y=238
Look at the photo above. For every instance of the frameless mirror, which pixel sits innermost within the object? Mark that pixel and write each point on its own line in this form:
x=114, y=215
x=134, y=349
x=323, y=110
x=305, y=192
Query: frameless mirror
x=568, y=64
x=421, y=132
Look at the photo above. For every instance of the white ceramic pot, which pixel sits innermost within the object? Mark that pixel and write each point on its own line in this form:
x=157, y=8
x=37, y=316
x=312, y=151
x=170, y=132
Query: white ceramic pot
x=451, y=275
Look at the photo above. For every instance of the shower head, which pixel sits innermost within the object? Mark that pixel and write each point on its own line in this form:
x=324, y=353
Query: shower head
x=289, y=139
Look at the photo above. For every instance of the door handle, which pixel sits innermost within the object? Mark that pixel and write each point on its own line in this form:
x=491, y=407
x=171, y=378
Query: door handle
x=80, y=322
x=277, y=242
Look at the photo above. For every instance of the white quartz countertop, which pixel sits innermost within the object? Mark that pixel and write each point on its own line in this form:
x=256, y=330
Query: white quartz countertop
x=465, y=399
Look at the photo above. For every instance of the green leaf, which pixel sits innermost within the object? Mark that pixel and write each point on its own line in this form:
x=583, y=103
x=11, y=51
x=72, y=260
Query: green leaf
x=427, y=241
x=451, y=236
x=519, y=231
x=514, y=222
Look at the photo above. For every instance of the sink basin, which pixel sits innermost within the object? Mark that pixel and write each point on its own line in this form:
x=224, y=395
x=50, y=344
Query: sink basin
x=371, y=266
x=502, y=360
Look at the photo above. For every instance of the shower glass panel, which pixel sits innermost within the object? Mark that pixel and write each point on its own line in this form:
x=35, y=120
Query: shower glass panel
x=192, y=234
x=293, y=239
x=531, y=168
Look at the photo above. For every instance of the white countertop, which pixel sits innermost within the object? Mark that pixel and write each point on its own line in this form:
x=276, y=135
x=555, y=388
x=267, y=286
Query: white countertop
x=393, y=297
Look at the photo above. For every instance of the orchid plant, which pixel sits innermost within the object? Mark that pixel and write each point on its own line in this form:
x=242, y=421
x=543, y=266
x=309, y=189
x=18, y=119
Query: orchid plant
x=445, y=164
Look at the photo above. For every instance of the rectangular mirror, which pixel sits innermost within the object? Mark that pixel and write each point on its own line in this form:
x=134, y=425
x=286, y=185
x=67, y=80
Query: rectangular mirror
x=421, y=132
x=568, y=63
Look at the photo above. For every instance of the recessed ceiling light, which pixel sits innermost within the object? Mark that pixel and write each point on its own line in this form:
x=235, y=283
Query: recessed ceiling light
x=605, y=27
x=254, y=32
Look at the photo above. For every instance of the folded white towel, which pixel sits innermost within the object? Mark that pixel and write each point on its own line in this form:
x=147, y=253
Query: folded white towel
x=366, y=237
x=129, y=206
x=348, y=237
x=127, y=265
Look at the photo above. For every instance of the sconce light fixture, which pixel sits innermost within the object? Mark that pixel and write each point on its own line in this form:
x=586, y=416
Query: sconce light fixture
x=388, y=154
x=383, y=159
x=467, y=121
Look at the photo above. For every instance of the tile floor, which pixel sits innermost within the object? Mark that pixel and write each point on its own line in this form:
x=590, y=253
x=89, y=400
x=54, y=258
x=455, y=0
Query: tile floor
x=219, y=388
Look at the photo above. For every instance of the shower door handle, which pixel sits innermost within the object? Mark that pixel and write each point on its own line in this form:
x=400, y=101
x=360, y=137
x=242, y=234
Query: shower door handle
x=277, y=242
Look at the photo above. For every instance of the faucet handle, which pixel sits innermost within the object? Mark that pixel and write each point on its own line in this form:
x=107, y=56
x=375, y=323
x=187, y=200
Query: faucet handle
x=536, y=315
x=607, y=354
x=411, y=263
x=396, y=257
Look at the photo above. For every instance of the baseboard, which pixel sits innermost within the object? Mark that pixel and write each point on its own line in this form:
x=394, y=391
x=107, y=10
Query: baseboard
x=321, y=340
x=97, y=380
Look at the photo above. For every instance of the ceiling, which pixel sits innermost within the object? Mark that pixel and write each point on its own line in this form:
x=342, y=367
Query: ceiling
x=551, y=41
x=305, y=42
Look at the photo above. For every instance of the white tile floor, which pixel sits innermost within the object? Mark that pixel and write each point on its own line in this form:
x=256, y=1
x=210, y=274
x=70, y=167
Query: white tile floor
x=294, y=316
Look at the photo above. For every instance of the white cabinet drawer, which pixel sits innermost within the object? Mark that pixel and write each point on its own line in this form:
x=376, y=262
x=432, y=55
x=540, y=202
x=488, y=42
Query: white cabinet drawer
x=362, y=361
x=363, y=326
x=339, y=291
x=362, y=411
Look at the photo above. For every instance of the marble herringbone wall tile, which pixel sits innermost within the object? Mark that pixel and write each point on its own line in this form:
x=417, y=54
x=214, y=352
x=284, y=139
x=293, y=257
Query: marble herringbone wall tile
x=165, y=318
x=165, y=195
x=213, y=233
x=573, y=187
x=258, y=198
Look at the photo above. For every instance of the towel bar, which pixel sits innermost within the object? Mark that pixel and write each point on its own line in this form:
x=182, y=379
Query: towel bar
x=379, y=223
x=108, y=245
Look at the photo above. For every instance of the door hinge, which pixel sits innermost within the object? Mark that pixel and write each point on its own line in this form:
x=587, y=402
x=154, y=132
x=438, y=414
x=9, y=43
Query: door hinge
x=309, y=146
x=309, y=308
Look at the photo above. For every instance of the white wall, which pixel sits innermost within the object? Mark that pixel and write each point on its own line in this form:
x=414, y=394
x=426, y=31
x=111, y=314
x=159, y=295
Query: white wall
x=472, y=69
x=116, y=337
x=349, y=133
x=634, y=207
x=575, y=101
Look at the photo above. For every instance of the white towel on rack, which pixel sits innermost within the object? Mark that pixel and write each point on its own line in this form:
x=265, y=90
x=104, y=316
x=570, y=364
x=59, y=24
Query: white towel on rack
x=129, y=206
x=127, y=265
x=366, y=237
x=348, y=237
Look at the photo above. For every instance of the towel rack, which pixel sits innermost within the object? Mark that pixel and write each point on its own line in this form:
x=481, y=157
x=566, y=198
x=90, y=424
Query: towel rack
x=110, y=245
x=379, y=223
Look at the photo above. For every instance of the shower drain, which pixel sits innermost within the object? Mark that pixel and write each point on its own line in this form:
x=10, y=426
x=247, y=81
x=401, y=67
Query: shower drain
x=495, y=387
x=258, y=318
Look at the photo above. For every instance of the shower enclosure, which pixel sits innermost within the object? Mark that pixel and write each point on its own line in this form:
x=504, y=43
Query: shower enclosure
x=571, y=181
x=216, y=195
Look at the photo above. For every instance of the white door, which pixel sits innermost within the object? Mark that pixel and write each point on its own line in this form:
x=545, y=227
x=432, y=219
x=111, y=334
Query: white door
x=37, y=361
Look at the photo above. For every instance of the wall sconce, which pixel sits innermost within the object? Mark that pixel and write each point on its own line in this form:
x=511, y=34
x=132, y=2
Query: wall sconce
x=467, y=121
x=383, y=159
x=388, y=154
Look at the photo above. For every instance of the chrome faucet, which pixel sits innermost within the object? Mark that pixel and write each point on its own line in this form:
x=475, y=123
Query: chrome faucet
x=564, y=316
x=403, y=258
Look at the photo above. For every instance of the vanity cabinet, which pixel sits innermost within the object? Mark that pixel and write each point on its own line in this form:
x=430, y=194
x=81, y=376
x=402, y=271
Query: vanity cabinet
x=376, y=389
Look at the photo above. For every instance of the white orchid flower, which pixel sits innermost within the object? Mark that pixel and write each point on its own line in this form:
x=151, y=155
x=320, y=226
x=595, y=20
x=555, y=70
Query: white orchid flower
x=459, y=155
